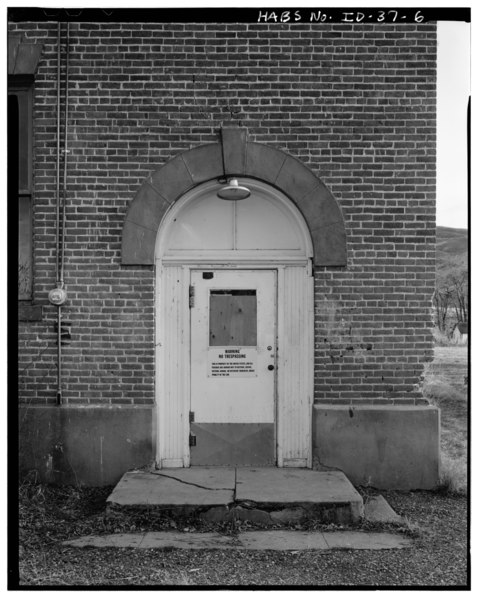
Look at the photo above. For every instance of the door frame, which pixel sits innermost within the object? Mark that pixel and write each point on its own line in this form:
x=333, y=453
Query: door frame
x=302, y=271
x=295, y=333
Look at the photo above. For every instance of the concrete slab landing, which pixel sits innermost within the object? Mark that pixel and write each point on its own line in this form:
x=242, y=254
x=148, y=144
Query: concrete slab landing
x=175, y=487
x=293, y=486
x=325, y=495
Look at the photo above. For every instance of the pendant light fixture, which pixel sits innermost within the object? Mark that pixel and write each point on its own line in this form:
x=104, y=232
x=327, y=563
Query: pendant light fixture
x=232, y=190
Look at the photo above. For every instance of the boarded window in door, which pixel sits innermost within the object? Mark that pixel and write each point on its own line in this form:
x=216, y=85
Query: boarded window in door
x=233, y=318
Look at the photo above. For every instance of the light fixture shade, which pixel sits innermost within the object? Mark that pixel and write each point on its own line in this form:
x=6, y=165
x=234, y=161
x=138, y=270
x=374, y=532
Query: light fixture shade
x=233, y=191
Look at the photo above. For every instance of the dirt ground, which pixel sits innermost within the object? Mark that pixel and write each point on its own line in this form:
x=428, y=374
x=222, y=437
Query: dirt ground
x=436, y=523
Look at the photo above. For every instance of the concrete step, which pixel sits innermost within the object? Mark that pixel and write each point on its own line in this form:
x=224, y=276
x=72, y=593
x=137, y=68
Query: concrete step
x=260, y=495
x=250, y=540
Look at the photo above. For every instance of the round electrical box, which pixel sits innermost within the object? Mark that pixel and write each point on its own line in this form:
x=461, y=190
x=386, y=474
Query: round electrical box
x=58, y=296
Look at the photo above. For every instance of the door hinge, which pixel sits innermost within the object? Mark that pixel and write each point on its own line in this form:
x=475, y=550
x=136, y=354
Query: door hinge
x=192, y=416
x=192, y=296
x=310, y=268
x=192, y=440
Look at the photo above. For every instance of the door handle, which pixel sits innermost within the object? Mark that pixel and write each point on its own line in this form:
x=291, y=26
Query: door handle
x=270, y=367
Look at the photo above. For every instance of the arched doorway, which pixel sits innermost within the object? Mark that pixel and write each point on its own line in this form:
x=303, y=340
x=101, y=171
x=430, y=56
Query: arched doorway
x=289, y=225
x=234, y=331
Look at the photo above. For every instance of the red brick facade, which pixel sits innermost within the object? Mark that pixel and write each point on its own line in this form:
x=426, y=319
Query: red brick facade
x=355, y=103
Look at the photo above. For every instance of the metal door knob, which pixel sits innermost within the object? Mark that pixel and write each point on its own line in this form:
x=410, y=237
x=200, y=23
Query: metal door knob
x=270, y=367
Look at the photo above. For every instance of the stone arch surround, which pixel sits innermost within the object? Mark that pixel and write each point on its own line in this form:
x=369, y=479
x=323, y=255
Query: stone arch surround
x=241, y=158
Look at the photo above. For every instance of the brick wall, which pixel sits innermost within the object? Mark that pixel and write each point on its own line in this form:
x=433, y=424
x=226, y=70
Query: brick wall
x=355, y=103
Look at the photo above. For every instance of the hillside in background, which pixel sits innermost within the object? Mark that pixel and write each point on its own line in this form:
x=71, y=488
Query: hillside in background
x=451, y=241
x=451, y=252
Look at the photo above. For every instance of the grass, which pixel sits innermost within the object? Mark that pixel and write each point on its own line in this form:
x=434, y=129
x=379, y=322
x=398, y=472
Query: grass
x=443, y=391
x=442, y=339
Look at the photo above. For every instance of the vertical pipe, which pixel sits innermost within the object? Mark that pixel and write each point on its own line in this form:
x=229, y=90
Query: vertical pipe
x=65, y=157
x=61, y=282
x=59, y=345
x=58, y=157
x=59, y=313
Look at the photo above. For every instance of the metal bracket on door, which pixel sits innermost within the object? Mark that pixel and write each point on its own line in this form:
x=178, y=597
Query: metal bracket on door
x=192, y=440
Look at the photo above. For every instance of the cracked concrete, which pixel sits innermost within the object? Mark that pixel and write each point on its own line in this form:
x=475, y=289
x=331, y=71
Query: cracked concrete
x=203, y=487
x=326, y=495
x=177, y=487
x=377, y=510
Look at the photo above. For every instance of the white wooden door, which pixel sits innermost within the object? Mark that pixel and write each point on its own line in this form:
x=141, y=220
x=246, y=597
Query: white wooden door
x=233, y=367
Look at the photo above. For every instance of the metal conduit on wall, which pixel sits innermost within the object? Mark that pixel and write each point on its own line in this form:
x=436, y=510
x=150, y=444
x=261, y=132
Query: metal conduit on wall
x=57, y=296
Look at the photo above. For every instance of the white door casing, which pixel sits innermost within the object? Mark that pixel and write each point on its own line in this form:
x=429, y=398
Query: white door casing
x=184, y=247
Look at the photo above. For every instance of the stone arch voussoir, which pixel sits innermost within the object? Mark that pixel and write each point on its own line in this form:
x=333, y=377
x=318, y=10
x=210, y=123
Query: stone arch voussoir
x=242, y=158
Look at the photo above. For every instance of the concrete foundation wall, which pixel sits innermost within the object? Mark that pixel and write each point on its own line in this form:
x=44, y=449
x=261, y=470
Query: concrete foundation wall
x=91, y=446
x=389, y=447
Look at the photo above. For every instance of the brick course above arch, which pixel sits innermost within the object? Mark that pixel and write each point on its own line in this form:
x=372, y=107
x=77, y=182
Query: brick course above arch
x=241, y=158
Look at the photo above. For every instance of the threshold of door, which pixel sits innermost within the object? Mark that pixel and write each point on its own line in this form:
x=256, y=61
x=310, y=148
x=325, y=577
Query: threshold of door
x=258, y=494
